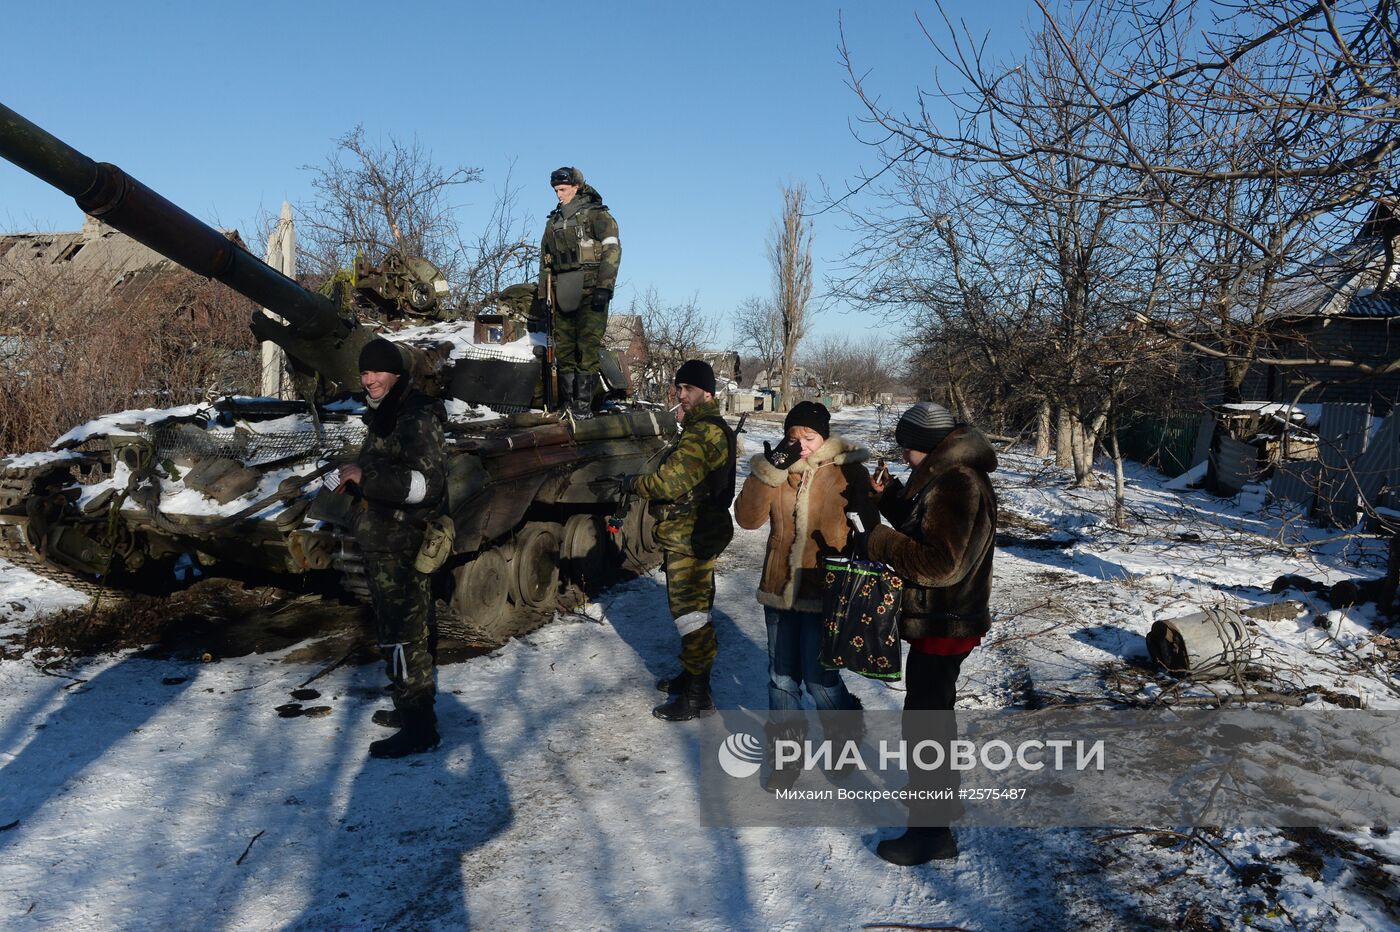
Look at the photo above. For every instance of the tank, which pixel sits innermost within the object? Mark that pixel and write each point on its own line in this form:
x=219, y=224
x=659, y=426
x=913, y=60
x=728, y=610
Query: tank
x=238, y=487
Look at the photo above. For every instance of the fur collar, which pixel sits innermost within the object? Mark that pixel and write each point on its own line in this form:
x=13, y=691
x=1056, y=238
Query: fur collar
x=837, y=451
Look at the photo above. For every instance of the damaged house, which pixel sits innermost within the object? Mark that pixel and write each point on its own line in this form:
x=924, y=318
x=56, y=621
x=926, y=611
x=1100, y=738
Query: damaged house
x=1323, y=433
x=92, y=321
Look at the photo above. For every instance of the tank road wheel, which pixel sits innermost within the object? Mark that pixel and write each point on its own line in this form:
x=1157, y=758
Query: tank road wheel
x=535, y=566
x=589, y=555
x=641, y=552
x=480, y=597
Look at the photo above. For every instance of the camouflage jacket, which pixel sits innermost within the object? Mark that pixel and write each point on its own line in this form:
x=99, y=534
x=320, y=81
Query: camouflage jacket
x=584, y=239
x=695, y=481
x=404, y=459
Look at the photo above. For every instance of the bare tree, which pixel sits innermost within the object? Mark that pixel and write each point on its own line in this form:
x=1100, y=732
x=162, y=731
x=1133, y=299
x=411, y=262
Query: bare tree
x=871, y=367
x=1262, y=137
x=374, y=199
x=790, y=253
x=758, y=327
x=503, y=253
x=825, y=360
x=671, y=334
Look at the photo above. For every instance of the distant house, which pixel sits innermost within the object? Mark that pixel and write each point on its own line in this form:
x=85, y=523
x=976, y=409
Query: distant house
x=626, y=337
x=727, y=365
x=1345, y=305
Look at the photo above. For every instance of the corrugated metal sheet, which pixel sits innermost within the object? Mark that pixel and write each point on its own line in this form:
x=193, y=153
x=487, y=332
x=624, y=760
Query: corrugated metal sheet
x=1203, y=437
x=1234, y=464
x=1374, y=305
x=1342, y=436
x=1379, y=466
x=1296, y=482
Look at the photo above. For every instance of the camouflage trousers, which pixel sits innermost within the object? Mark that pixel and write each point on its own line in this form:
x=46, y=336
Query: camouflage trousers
x=578, y=336
x=403, y=617
x=690, y=590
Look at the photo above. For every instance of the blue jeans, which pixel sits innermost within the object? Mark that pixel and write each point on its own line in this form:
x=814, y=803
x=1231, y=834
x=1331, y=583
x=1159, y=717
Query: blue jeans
x=794, y=646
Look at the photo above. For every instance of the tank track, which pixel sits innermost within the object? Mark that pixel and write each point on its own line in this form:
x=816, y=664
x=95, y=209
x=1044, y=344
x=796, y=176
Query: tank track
x=17, y=553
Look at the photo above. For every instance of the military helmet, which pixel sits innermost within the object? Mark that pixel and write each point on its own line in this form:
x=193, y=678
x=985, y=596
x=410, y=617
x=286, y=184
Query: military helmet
x=565, y=175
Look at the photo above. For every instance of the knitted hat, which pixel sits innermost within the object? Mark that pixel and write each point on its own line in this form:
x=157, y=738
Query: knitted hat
x=696, y=372
x=924, y=426
x=809, y=414
x=379, y=355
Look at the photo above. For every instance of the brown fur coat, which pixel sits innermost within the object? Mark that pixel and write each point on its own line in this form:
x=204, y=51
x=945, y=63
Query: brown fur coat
x=805, y=508
x=945, y=524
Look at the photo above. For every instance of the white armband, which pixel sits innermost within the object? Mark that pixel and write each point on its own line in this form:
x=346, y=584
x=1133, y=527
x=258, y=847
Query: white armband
x=417, y=488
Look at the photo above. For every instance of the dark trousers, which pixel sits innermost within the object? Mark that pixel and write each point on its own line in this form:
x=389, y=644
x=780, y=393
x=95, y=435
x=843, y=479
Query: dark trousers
x=931, y=686
x=403, y=615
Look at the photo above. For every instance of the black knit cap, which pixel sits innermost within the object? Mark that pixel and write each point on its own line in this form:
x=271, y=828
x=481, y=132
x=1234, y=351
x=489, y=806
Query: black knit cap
x=924, y=426
x=696, y=372
x=379, y=355
x=809, y=414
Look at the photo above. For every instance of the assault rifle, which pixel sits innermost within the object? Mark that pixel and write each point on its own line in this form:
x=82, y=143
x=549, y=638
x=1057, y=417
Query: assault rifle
x=551, y=365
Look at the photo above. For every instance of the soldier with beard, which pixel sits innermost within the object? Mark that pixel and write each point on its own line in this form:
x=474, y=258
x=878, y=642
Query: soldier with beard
x=693, y=488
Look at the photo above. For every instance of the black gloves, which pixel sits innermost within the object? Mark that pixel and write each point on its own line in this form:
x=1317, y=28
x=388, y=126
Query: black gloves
x=784, y=454
x=601, y=297
x=611, y=487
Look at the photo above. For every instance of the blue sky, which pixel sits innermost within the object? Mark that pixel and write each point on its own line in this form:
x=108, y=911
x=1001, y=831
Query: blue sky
x=689, y=118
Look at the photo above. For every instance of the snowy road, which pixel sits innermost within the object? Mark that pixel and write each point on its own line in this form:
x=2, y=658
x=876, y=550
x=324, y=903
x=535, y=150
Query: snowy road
x=161, y=794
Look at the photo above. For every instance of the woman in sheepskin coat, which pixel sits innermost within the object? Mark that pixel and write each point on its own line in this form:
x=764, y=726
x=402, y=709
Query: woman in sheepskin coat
x=943, y=541
x=802, y=489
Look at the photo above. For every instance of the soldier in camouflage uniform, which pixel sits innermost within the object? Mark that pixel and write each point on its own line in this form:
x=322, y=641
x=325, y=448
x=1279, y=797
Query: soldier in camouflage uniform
x=400, y=481
x=696, y=482
x=580, y=252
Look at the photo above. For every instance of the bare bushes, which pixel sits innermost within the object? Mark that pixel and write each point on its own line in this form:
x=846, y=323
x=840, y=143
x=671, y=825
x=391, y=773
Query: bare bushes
x=71, y=350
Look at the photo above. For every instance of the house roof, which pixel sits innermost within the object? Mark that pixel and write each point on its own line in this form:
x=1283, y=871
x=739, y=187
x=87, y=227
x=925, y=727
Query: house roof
x=96, y=250
x=1340, y=283
x=622, y=330
x=1375, y=304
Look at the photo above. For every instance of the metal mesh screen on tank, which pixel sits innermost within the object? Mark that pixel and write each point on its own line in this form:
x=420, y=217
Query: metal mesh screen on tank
x=184, y=441
x=487, y=351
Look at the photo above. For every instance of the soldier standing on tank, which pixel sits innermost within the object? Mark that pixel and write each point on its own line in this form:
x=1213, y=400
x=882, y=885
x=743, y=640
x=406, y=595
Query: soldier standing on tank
x=580, y=252
x=695, y=480
x=400, y=482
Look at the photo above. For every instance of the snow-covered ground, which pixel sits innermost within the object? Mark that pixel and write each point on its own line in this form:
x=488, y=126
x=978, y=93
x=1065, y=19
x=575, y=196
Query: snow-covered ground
x=165, y=794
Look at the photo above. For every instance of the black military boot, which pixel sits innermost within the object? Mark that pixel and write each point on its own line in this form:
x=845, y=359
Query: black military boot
x=418, y=734
x=775, y=778
x=567, y=383
x=693, y=701
x=584, y=387
x=389, y=718
x=919, y=846
x=673, y=684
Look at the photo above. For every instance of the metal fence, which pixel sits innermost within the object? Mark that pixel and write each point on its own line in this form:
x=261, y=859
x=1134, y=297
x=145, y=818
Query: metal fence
x=1166, y=443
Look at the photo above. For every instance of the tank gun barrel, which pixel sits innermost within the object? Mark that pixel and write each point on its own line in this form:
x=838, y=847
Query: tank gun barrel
x=106, y=192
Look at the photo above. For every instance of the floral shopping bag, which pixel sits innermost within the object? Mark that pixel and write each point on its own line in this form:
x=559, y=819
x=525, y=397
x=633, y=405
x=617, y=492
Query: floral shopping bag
x=860, y=617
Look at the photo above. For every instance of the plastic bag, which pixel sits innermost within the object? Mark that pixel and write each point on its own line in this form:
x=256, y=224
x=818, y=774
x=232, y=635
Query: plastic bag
x=860, y=617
